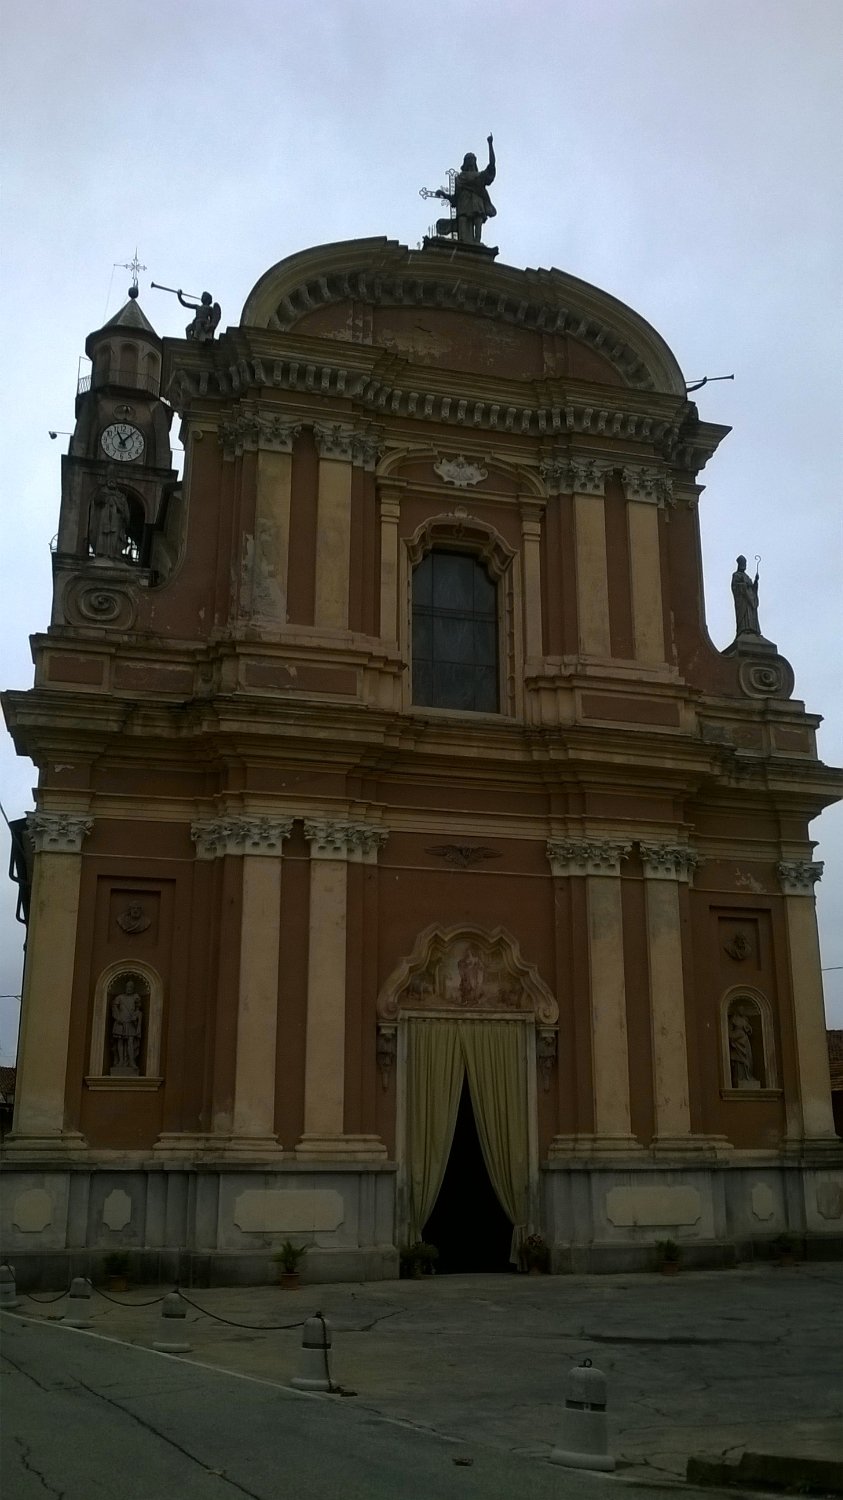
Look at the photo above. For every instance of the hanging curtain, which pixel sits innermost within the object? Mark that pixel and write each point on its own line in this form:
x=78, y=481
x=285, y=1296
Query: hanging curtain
x=435, y=1070
x=494, y=1059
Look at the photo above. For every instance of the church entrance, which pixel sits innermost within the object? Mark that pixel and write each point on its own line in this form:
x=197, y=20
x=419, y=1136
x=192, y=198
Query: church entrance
x=468, y=1226
x=467, y=1139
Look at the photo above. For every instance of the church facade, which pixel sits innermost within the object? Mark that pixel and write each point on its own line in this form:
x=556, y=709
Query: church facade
x=392, y=792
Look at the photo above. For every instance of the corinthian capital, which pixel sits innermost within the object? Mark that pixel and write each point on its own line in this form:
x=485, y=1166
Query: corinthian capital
x=576, y=476
x=334, y=440
x=798, y=876
x=643, y=482
x=354, y=841
x=257, y=834
x=586, y=856
x=58, y=832
x=668, y=861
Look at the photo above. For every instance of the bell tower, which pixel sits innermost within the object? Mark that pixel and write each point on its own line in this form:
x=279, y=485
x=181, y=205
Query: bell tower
x=117, y=474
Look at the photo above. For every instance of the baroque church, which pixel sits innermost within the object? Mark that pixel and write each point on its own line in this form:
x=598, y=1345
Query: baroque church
x=407, y=863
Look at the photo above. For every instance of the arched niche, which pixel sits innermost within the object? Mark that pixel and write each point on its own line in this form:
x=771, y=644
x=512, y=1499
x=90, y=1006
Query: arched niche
x=126, y=1038
x=748, y=1055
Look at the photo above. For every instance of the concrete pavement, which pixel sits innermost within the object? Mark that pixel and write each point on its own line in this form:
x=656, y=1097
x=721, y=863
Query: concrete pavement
x=706, y=1363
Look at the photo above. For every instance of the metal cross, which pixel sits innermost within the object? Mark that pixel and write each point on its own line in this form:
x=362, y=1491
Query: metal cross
x=131, y=265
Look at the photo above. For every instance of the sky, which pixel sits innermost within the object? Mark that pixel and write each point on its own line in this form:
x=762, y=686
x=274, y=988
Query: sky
x=682, y=154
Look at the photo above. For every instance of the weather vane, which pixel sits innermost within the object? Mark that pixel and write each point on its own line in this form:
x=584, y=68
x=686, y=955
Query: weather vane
x=133, y=265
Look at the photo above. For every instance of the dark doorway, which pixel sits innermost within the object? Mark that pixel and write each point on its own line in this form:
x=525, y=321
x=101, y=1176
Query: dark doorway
x=468, y=1226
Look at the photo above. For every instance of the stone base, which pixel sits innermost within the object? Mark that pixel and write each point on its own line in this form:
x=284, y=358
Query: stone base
x=220, y=1221
x=341, y=1147
x=43, y=1148
x=563, y=1147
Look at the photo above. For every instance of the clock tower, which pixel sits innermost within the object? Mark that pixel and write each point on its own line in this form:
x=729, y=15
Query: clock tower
x=117, y=477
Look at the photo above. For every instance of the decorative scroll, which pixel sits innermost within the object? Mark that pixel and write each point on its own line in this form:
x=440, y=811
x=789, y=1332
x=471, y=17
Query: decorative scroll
x=460, y=471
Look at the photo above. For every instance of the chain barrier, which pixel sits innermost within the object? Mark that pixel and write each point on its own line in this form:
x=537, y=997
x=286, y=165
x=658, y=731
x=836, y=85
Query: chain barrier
x=232, y=1323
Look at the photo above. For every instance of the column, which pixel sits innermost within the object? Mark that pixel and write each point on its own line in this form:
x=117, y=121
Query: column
x=39, y=1122
x=531, y=578
x=389, y=504
x=665, y=865
x=599, y=861
x=272, y=521
x=253, y=1126
x=333, y=537
x=645, y=491
x=797, y=878
x=332, y=845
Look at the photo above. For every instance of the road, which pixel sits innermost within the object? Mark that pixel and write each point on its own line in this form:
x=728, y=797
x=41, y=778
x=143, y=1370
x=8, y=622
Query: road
x=86, y=1418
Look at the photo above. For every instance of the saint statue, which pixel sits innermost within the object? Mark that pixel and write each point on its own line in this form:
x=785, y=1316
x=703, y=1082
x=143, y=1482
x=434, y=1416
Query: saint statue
x=109, y=522
x=470, y=199
x=206, y=316
x=472, y=976
x=741, y=1061
x=745, y=595
x=126, y=1024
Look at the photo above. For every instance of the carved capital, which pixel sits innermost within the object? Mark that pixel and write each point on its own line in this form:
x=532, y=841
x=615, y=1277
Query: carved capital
x=366, y=448
x=586, y=856
x=797, y=877
x=668, y=861
x=643, y=482
x=58, y=832
x=250, y=430
x=578, y=476
x=546, y=1045
x=333, y=440
x=215, y=837
x=387, y=1051
x=355, y=841
x=460, y=471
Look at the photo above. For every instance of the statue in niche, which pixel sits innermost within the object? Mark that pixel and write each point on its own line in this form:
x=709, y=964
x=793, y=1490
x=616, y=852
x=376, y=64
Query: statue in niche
x=109, y=522
x=741, y=1061
x=470, y=199
x=206, y=316
x=745, y=595
x=126, y=1027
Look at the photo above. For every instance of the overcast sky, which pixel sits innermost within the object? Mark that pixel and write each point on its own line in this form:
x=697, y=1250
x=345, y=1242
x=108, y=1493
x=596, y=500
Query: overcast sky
x=683, y=154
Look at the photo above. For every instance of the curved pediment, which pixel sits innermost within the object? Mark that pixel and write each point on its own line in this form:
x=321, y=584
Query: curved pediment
x=467, y=970
x=453, y=312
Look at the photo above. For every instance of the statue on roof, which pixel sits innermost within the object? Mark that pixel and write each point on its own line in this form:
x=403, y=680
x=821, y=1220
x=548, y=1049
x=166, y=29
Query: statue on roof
x=745, y=595
x=469, y=198
x=207, y=314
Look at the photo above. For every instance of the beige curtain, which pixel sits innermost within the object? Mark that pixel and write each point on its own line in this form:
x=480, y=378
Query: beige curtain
x=494, y=1058
x=435, y=1071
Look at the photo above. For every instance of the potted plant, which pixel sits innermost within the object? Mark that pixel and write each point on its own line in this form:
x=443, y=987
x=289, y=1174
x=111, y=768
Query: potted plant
x=288, y=1257
x=784, y=1250
x=535, y=1256
x=669, y=1256
x=419, y=1259
x=117, y=1271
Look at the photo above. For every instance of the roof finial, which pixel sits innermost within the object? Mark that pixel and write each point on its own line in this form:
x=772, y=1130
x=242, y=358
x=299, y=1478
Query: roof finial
x=134, y=266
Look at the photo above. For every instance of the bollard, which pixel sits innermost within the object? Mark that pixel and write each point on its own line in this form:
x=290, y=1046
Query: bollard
x=584, y=1440
x=79, y=1291
x=8, y=1287
x=314, y=1371
x=173, y=1306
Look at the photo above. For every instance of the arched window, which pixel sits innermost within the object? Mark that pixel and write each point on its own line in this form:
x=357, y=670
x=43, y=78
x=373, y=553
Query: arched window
x=455, y=633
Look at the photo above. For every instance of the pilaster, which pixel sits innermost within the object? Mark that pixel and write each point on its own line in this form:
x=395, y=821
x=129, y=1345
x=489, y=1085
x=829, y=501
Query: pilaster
x=646, y=490
x=332, y=846
x=333, y=537
x=272, y=523
x=531, y=529
x=665, y=866
x=797, y=878
x=39, y=1122
x=599, y=861
x=389, y=505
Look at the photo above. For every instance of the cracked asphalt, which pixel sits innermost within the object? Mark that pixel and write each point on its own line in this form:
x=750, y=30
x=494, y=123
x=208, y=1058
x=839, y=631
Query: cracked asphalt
x=706, y=1362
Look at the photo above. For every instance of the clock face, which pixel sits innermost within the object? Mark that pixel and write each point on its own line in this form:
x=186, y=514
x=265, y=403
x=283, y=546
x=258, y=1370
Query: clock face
x=122, y=441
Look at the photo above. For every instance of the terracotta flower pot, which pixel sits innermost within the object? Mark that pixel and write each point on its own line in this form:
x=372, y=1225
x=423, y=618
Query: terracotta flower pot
x=117, y=1284
x=289, y=1280
x=670, y=1267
